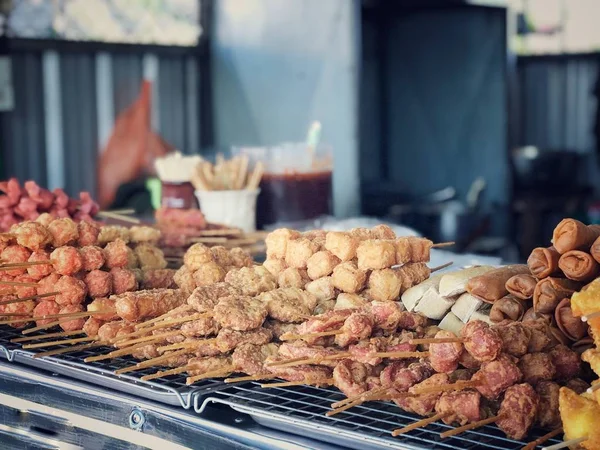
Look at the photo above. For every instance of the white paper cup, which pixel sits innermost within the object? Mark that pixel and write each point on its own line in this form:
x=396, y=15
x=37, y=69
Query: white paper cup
x=232, y=208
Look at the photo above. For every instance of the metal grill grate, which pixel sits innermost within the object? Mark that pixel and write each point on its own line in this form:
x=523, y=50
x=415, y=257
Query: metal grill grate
x=171, y=390
x=301, y=410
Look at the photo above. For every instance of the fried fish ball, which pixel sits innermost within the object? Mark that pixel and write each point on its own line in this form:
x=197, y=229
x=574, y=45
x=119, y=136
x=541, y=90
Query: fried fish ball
x=72, y=291
x=383, y=232
x=298, y=252
x=66, y=260
x=209, y=273
x=184, y=278
x=32, y=235
x=47, y=285
x=74, y=324
x=39, y=271
x=292, y=277
x=5, y=289
x=110, y=233
x=64, y=232
x=221, y=256
x=124, y=280
x=347, y=277
x=276, y=242
x=26, y=308
x=45, y=308
x=44, y=219
x=342, y=244
x=384, y=285
x=275, y=266
x=197, y=255
x=116, y=254
x=322, y=288
x=92, y=325
x=251, y=281
x=99, y=283
x=15, y=254
x=144, y=234
x=92, y=257
x=240, y=257
x=321, y=264
x=376, y=254
x=150, y=257
x=88, y=233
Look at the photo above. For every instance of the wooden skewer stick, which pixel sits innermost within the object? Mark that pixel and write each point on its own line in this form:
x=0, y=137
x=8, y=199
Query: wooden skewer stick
x=400, y=355
x=249, y=378
x=315, y=360
x=458, y=386
x=63, y=318
x=149, y=362
x=374, y=394
x=569, y=443
x=589, y=317
x=179, y=309
x=594, y=388
x=59, y=342
x=533, y=444
x=278, y=363
x=220, y=232
x=443, y=244
x=420, y=423
x=360, y=396
x=18, y=283
x=75, y=348
x=435, y=341
x=122, y=211
x=116, y=216
x=188, y=345
x=470, y=426
x=31, y=297
x=443, y=266
x=115, y=353
x=9, y=266
x=166, y=373
x=164, y=324
x=154, y=337
x=292, y=336
x=325, y=382
x=212, y=374
x=209, y=240
x=46, y=336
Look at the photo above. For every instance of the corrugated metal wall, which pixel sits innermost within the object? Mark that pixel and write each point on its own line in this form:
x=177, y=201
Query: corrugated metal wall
x=23, y=130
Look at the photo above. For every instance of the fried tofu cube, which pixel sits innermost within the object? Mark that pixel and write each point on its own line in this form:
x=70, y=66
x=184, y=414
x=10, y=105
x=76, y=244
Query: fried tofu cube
x=347, y=277
x=321, y=264
x=350, y=301
x=275, y=266
x=384, y=285
x=376, y=254
x=383, y=232
x=341, y=244
x=322, y=288
x=276, y=242
x=298, y=251
x=292, y=277
x=317, y=236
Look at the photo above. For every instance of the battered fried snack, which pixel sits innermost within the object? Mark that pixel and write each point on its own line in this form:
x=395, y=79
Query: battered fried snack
x=571, y=234
x=66, y=260
x=350, y=301
x=99, y=283
x=275, y=266
x=341, y=244
x=72, y=291
x=240, y=313
x=579, y=266
x=376, y=254
x=205, y=298
x=39, y=271
x=491, y=286
x=321, y=264
x=92, y=257
x=104, y=304
x=196, y=256
x=110, y=233
x=158, y=279
x=412, y=249
x=521, y=286
x=141, y=305
x=63, y=232
x=298, y=251
x=150, y=257
x=289, y=304
x=384, y=285
x=184, y=278
x=543, y=262
x=550, y=291
x=276, y=242
x=209, y=273
x=251, y=281
x=322, y=288
x=507, y=308
x=144, y=234
x=293, y=278
x=572, y=327
x=31, y=235
x=412, y=274
x=116, y=254
x=347, y=277
x=88, y=233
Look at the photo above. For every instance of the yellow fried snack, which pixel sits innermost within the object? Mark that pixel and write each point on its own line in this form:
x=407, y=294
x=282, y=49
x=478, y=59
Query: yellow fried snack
x=580, y=418
x=588, y=300
x=276, y=242
x=349, y=278
x=298, y=252
x=321, y=264
x=376, y=254
x=384, y=285
x=592, y=356
x=341, y=244
x=292, y=277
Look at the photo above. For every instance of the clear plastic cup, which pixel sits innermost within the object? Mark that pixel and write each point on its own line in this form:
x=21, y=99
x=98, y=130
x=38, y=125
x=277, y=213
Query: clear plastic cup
x=297, y=183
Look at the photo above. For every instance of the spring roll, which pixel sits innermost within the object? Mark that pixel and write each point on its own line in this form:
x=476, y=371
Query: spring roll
x=491, y=286
x=550, y=291
x=507, y=308
x=531, y=316
x=595, y=250
x=571, y=234
x=543, y=262
x=571, y=326
x=579, y=266
x=455, y=283
x=521, y=286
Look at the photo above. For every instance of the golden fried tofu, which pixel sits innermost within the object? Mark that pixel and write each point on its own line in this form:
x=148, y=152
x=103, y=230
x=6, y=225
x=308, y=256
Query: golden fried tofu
x=342, y=244
x=384, y=285
x=376, y=254
x=197, y=255
x=592, y=357
x=350, y=301
x=588, y=300
x=322, y=288
x=362, y=234
x=317, y=236
x=347, y=277
x=251, y=281
x=321, y=264
x=579, y=417
x=209, y=273
x=276, y=242
x=383, y=232
x=292, y=277
x=275, y=266
x=298, y=251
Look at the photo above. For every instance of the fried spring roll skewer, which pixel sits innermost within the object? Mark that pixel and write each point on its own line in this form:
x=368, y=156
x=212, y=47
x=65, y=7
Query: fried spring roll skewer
x=571, y=234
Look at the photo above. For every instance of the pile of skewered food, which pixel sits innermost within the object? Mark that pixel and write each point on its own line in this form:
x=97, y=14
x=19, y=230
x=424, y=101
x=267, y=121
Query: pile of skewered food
x=52, y=269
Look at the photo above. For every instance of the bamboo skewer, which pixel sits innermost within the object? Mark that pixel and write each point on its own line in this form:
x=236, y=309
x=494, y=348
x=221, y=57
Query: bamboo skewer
x=443, y=266
x=326, y=382
x=360, y=396
x=117, y=216
x=187, y=345
x=212, y=374
x=149, y=362
x=420, y=423
x=533, y=444
x=18, y=284
x=9, y=266
x=166, y=373
x=591, y=316
x=400, y=355
x=115, y=353
x=59, y=342
x=470, y=426
x=31, y=297
x=435, y=341
x=292, y=336
x=249, y=378
x=374, y=394
x=593, y=388
x=46, y=336
x=458, y=386
x=570, y=443
x=315, y=360
x=75, y=348
x=164, y=324
x=220, y=232
x=61, y=317
x=179, y=309
x=443, y=244
x=154, y=337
